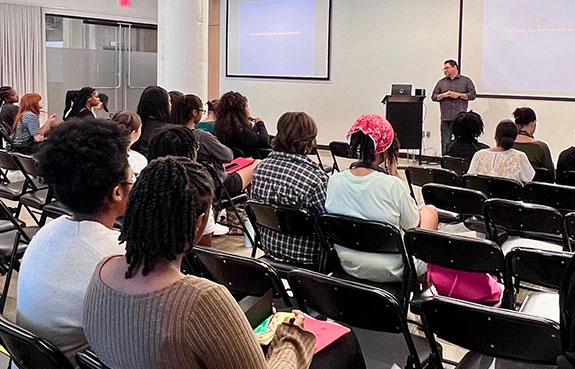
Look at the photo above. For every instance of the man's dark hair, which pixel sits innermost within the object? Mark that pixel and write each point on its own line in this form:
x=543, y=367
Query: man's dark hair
x=165, y=203
x=467, y=126
x=296, y=133
x=154, y=102
x=84, y=162
x=505, y=134
x=172, y=140
x=451, y=62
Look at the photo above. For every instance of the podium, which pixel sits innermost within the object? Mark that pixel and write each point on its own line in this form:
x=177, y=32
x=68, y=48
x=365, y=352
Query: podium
x=405, y=113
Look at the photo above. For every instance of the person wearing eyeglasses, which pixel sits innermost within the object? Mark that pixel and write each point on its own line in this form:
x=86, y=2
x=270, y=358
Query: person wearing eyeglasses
x=87, y=166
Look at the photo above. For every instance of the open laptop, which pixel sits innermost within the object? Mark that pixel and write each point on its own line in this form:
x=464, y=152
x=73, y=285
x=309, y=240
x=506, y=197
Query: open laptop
x=401, y=90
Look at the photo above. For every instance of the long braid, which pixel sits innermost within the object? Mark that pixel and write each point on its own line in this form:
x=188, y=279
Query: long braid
x=361, y=147
x=165, y=203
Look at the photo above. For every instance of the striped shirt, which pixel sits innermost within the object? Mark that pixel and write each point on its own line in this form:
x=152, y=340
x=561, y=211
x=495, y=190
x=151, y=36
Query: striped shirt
x=26, y=129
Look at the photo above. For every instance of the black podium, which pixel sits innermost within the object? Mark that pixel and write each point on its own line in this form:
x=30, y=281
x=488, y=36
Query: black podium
x=405, y=113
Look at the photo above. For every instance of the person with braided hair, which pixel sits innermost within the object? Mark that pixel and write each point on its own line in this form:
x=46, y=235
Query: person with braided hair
x=141, y=312
x=79, y=103
x=87, y=165
x=8, y=111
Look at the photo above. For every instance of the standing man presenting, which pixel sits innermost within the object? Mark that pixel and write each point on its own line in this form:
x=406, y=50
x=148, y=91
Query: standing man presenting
x=453, y=91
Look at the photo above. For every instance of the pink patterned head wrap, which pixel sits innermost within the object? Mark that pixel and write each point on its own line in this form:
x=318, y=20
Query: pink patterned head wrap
x=377, y=128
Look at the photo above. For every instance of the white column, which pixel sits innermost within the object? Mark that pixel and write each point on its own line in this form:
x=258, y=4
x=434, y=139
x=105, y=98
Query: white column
x=183, y=46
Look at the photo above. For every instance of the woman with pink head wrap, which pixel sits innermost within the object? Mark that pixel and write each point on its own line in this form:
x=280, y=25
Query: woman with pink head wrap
x=372, y=190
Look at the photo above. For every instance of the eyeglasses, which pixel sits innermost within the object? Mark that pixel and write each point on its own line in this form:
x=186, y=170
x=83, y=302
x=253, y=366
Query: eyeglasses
x=202, y=110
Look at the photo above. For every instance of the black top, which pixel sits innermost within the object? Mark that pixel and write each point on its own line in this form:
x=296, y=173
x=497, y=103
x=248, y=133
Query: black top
x=250, y=142
x=465, y=150
x=566, y=160
x=148, y=127
x=8, y=114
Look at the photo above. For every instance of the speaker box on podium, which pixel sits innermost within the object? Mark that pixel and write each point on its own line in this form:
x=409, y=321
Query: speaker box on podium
x=405, y=113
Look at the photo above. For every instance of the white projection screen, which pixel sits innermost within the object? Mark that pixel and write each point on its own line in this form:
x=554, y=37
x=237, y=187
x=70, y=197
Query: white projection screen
x=519, y=47
x=278, y=39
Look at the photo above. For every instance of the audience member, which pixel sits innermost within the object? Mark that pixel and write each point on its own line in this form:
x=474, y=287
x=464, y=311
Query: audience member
x=503, y=160
x=101, y=110
x=154, y=110
x=132, y=122
x=175, y=140
x=8, y=109
x=466, y=127
x=537, y=151
x=79, y=103
x=187, y=110
x=370, y=192
x=288, y=177
x=173, y=94
x=566, y=160
x=234, y=129
x=27, y=135
x=208, y=123
x=88, y=168
x=142, y=312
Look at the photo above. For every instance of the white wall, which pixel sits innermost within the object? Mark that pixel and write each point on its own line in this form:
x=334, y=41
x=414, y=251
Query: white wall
x=376, y=43
x=140, y=11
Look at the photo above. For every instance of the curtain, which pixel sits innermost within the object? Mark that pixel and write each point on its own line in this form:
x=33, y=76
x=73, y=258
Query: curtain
x=23, y=49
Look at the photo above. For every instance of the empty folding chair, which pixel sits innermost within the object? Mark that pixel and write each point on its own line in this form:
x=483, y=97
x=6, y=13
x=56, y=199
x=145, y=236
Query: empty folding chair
x=528, y=225
x=557, y=196
x=539, y=273
x=510, y=338
x=38, y=193
x=543, y=175
x=11, y=190
x=88, y=360
x=419, y=176
x=240, y=275
x=29, y=351
x=494, y=187
x=366, y=308
x=341, y=150
x=458, y=165
x=373, y=237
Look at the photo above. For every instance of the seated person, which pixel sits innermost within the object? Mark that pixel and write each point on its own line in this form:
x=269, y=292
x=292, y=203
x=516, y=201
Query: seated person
x=132, y=122
x=467, y=127
x=27, y=135
x=367, y=191
x=503, y=160
x=537, y=151
x=88, y=168
x=566, y=161
x=154, y=110
x=142, y=312
x=208, y=123
x=234, y=127
x=288, y=177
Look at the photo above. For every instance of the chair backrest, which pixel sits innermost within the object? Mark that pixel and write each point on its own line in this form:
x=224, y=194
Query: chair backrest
x=538, y=267
x=543, y=175
x=525, y=220
x=286, y=219
x=567, y=307
x=30, y=351
x=419, y=176
x=28, y=163
x=570, y=225
x=566, y=177
x=351, y=303
x=339, y=149
x=240, y=275
x=458, y=165
x=460, y=200
x=88, y=360
x=500, y=333
x=5, y=133
x=560, y=197
x=7, y=161
x=494, y=187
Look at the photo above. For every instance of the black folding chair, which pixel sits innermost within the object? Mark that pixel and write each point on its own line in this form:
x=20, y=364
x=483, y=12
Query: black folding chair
x=11, y=190
x=287, y=220
x=543, y=175
x=557, y=196
x=326, y=168
x=457, y=165
x=29, y=351
x=88, y=360
x=341, y=150
x=6, y=135
x=419, y=176
x=567, y=307
x=566, y=178
x=38, y=194
x=570, y=225
x=240, y=275
x=373, y=237
x=459, y=253
x=363, y=307
x=532, y=221
x=494, y=187
x=513, y=338
x=539, y=273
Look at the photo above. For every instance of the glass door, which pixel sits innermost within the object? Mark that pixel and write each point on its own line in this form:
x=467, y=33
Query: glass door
x=118, y=59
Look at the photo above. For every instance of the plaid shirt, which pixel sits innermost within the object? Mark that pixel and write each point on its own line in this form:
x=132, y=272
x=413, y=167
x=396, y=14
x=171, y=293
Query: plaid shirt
x=294, y=180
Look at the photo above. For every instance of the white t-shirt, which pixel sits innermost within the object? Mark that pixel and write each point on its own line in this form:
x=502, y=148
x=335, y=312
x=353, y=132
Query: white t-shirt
x=55, y=272
x=511, y=163
x=137, y=161
x=376, y=196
